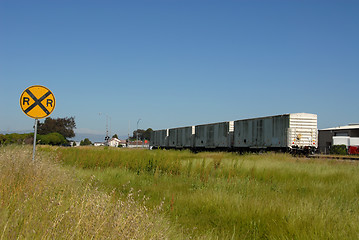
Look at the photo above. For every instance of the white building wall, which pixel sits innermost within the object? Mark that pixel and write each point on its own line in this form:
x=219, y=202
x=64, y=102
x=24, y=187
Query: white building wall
x=354, y=141
x=341, y=140
x=345, y=140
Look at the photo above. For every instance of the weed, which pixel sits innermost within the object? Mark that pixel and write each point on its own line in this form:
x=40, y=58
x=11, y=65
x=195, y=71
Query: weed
x=230, y=196
x=41, y=200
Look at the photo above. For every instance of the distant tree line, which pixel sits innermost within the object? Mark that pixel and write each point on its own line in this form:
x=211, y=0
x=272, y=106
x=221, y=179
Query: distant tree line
x=50, y=132
x=85, y=142
x=16, y=138
x=28, y=138
x=64, y=126
x=56, y=131
x=142, y=134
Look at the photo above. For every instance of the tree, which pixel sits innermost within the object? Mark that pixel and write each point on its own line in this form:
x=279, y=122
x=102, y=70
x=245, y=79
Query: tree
x=147, y=134
x=142, y=134
x=16, y=138
x=64, y=126
x=85, y=142
x=115, y=136
x=52, y=139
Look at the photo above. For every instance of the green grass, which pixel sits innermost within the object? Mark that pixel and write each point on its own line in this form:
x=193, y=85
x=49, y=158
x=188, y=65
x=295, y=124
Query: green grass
x=105, y=193
x=42, y=200
x=230, y=196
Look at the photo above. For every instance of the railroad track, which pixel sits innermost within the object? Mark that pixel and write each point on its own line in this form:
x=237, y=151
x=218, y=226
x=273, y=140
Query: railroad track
x=339, y=157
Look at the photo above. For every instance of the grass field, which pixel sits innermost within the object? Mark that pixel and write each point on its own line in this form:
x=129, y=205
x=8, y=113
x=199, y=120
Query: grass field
x=42, y=200
x=204, y=195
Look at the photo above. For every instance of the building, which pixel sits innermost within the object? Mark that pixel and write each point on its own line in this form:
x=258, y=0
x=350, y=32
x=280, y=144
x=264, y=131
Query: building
x=138, y=144
x=98, y=144
x=114, y=142
x=343, y=135
x=75, y=143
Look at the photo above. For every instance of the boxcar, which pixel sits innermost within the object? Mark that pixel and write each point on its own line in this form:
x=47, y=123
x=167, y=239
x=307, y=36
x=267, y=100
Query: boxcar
x=213, y=136
x=288, y=132
x=159, y=139
x=182, y=137
x=185, y=137
x=296, y=131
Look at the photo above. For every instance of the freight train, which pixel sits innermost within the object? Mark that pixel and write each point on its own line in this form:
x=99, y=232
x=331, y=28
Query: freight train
x=294, y=133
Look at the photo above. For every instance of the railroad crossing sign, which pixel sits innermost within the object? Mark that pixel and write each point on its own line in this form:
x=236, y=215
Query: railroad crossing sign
x=37, y=102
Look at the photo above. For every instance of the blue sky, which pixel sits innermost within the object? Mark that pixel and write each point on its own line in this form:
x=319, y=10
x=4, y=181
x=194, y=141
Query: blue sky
x=180, y=62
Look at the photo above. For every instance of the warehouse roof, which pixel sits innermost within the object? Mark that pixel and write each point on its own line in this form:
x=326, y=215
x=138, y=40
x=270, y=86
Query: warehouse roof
x=348, y=127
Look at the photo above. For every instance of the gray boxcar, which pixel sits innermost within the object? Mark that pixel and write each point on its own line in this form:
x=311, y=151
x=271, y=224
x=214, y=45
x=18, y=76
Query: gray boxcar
x=159, y=138
x=181, y=137
x=185, y=137
x=282, y=132
x=211, y=136
x=172, y=137
x=153, y=139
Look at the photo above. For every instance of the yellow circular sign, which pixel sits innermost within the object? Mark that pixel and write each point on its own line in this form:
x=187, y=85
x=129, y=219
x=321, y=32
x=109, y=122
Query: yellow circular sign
x=37, y=101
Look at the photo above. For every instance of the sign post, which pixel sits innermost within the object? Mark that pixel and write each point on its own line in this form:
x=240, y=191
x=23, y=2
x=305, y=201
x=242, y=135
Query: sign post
x=37, y=102
x=34, y=148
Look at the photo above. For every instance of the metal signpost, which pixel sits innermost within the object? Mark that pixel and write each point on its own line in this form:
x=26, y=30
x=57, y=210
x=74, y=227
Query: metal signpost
x=37, y=102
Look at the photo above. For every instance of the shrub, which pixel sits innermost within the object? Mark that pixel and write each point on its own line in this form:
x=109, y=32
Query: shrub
x=338, y=149
x=51, y=139
x=16, y=138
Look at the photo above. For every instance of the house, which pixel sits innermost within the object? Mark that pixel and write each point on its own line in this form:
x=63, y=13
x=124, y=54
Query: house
x=114, y=142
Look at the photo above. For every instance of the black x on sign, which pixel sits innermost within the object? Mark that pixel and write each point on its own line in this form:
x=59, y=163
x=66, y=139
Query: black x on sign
x=37, y=101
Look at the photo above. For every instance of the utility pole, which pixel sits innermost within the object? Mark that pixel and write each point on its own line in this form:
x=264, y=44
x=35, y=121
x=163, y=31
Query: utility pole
x=128, y=137
x=107, y=138
x=137, y=132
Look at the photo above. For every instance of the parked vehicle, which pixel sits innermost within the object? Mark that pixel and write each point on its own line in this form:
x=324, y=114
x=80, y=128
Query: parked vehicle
x=353, y=150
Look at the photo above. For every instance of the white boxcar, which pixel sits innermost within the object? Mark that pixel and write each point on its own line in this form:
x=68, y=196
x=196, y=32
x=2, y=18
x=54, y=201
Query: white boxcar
x=288, y=131
x=215, y=135
x=303, y=130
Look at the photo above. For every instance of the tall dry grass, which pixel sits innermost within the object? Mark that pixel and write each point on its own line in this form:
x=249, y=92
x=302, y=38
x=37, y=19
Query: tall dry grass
x=41, y=200
x=230, y=196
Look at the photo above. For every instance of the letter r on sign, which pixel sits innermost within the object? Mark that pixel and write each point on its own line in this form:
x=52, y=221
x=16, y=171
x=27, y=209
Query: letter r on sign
x=49, y=102
x=25, y=100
